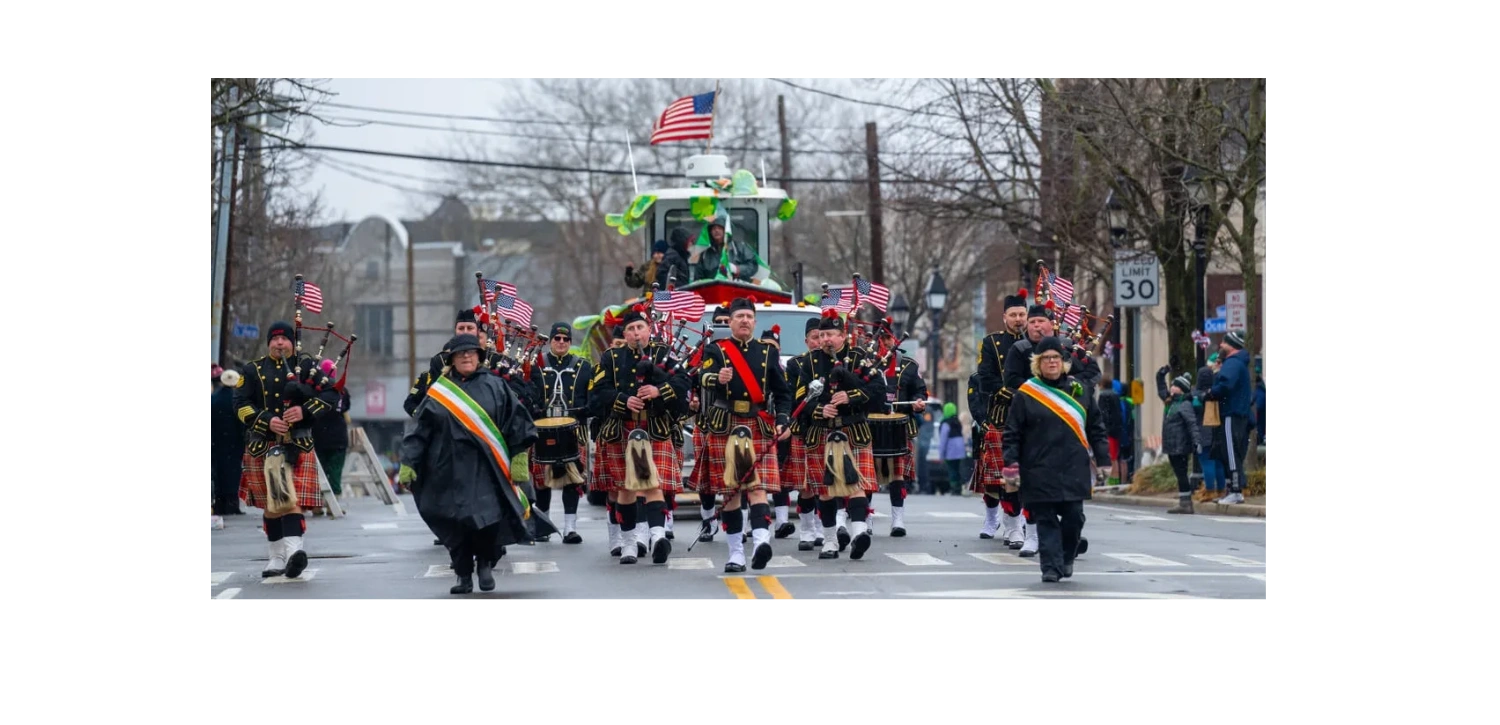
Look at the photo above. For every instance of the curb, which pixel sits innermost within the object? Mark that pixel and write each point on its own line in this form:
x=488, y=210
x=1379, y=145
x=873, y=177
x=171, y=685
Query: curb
x=1219, y=509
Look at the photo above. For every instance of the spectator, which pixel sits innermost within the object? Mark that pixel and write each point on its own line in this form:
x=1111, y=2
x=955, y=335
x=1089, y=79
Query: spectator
x=675, y=265
x=1108, y=401
x=924, y=444
x=952, y=439
x=1179, y=434
x=1259, y=400
x=331, y=438
x=647, y=276
x=1232, y=390
x=227, y=444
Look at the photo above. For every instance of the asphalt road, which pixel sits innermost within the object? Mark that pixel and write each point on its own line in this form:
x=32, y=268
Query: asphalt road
x=376, y=553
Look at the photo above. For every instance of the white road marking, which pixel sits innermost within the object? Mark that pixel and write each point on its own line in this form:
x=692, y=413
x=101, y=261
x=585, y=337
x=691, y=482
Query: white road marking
x=220, y=577
x=437, y=570
x=694, y=563
x=1039, y=594
x=1002, y=559
x=1137, y=517
x=1145, y=560
x=1260, y=577
x=783, y=562
x=1228, y=560
x=369, y=527
x=306, y=575
x=1011, y=572
x=533, y=567
x=846, y=594
x=919, y=560
x=229, y=593
x=953, y=514
x=1237, y=519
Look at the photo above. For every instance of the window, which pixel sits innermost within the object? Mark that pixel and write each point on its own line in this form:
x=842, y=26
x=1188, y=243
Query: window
x=793, y=324
x=744, y=227
x=373, y=325
x=372, y=269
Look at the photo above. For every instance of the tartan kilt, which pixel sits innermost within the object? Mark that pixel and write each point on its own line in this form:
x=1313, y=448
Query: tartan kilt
x=897, y=469
x=664, y=453
x=987, y=470
x=864, y=462
x=767, y=472
x=539, y=472
x=304, y=479
x=795, y=475
x=602, y=482
x=700, y=446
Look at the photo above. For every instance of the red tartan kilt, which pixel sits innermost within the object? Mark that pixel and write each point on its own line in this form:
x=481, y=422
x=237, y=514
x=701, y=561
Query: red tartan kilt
x=304, y=479
x=539, y=470
x=864, y=462
x=901, y=469
x=987, y=472
x=795, y=474
x=668, y=465
x=768, y=473
x=602, y=481
x=695, y=479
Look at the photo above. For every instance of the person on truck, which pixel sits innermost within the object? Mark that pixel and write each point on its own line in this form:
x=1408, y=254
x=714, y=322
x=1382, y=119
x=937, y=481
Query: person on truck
x=741, y=264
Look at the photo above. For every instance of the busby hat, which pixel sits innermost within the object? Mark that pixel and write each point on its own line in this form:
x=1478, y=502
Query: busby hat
x=465, y=315
x=831, y=321
x=1038, y=311
x=741, y=303
x=772, y=336
x=618, y=333
x=1016, y=300
x=282, y=328
x=812, y=324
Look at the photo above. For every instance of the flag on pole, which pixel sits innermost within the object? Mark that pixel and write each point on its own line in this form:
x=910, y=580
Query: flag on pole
x=863, y=291
x=833, y=299
x=311, y=296
x=1062, y=290
x=514, y=308
x=686, y=306
x=492, y=287
x=688, y=118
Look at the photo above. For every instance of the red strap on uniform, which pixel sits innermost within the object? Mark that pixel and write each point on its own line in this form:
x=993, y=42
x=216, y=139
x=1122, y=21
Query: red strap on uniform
x=742, y=369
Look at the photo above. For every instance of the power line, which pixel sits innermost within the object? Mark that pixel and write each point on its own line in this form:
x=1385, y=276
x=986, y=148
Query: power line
x=862, y=102
x=530, y=121
x=584, y=170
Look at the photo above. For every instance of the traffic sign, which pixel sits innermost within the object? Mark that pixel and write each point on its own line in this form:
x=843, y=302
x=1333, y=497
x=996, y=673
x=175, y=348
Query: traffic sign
x=375, y=398
x=1222, y=311
x=1235, y=302
x=1215, y=326
x=249, y=331
x=1137, y=276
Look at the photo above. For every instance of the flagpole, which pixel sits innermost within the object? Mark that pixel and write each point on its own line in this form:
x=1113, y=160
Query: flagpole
x=714, y=110
x=631, y=152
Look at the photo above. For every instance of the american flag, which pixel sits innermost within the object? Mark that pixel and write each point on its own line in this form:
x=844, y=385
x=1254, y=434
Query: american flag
x=683, y=305
x=514, y=308
x=863, y=291
x=490, y=286
x=687, y=118
x=311, y=296
x=1062, y=290
x=1072, y=315
x=834, y=299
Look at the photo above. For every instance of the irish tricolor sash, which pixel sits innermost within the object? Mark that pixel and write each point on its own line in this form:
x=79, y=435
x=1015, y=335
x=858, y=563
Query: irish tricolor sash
x=446, y=393
x=1060, y=403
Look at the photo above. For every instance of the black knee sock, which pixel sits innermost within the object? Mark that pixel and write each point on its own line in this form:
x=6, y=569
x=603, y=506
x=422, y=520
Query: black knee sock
x=671, y=502
x=898, y=494
x=543, y=498
x=627, y=516
x=990, y=501
x=839, y=502
x=272, y=528
x=656, y=513
x=760, y=516
x=640, y=508
x=609, y=510
x=705, y=500
x=806, y=505
x=734, y=521
x=859, y=508
x=1027, y=514
x=570, y=499
x=828, y=512
x=293, y=525
x=781, y=498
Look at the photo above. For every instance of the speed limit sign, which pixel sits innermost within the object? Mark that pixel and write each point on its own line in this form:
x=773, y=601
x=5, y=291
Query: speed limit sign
x=1137, y=282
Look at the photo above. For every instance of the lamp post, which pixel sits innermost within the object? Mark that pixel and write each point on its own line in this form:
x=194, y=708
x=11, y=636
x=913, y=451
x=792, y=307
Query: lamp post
x=937, y=297
x=1117, y=214
x=1203, y=192
x=900, y=314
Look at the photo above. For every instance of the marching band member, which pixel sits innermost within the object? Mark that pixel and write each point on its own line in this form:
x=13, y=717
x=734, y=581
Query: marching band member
x=839, y=459
x=462, y=467
x=278, y=408
x=906, y=385
x=464, y=324
x=1039, y=326
x=987, y=479
x=602, y=481
x=569, y=383
x=794, y=472
x=640, y=401
x=751, y=396
x=781, y=501
x=699, y=482
x=1054, y=436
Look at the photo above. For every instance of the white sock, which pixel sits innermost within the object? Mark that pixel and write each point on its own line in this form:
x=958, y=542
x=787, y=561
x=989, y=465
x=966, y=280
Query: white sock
x=736, y=549
x=782, y=515
x=805, y=527
x=857, y=527
x=760, y=536
x=669, y=521
x=658, y=532
x=842, y=518
x=642, y=531
x=570, y=523
x=817, y=525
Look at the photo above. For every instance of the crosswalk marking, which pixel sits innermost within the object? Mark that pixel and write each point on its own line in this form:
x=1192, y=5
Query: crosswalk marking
x=306, y=575
x=782, y=562
x=221, y=576
x=1002, y=559
x=1228, y=560
x=1144, y=560
x=1237, y=519
x=438, y=570
x=533, y=567
x=918, y=559
x=693, y=563
x=1261, y=577
x=369, y=527
x=953, y=514
x=1137, y=517
x=229, y=593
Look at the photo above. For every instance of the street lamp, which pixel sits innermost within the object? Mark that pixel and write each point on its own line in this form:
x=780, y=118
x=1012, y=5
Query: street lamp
x=1118, y=217
x=937, y=297
x=900, y=314
x=1203, y=193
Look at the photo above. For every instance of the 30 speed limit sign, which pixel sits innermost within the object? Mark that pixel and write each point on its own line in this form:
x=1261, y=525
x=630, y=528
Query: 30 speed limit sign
x=1137, y=283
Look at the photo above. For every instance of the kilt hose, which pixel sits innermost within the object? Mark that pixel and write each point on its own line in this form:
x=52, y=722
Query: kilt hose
x=897, y=469
x=304, y=479
x=864, y=462
x=987, y=478
x=767, y=471
x=663, y=453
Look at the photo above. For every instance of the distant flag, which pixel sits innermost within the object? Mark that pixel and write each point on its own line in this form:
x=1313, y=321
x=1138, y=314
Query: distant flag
x=683, y=305
x=687, y=118
x=514, y=308
x=833, y=299
x=1072, y=316
x=312, y=297
x=864, y=291
x=491, y=286
x=1062, y=290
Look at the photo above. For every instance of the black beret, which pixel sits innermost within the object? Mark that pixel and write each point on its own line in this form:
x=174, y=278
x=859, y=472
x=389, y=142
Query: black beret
x=280, y=327
x=632, y=316
x=561, y=328
x=465, y=315
x=741, y=303
x=812, y=324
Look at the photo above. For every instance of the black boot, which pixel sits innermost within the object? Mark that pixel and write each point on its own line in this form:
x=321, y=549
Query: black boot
x=785, y=530
x=465, y=585
x=486, y=577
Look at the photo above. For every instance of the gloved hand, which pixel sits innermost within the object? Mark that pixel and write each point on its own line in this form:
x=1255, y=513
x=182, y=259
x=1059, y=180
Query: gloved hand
x=1163, y=371
x=406, y=475
x=520, y=467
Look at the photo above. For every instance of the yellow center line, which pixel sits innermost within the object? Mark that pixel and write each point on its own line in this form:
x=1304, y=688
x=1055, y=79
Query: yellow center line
x=772, y=585
x=739, y=587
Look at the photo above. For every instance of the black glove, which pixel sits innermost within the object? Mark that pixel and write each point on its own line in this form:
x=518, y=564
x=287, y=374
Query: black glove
x=1161, y=373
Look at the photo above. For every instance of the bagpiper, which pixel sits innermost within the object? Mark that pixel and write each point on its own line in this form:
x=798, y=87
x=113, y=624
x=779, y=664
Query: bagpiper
x=794, y=469
x=987, y=479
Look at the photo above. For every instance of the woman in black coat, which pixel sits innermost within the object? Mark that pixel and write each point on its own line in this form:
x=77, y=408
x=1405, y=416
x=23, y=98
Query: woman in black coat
x=1055, y=436
x=1180, y=435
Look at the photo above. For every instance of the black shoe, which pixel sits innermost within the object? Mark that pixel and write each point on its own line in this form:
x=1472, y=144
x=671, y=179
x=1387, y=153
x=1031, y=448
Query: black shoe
x=898, y=532
x=986, y=536
x=705, y=536
x=661, y=551
x=615, y=551
x=1051, y=577
x=733, y=568
x=804, y=546
x=861, y=545
x=541, y=538
x=1015, y=545
x=627, y=558
x=465, y=585
x=437, y=542
x=486, y=577
x=295, y=564
x=760, y=557
x=1067, y=571
x=1083, y=545
x=825, y=554
x=572, y=538
x=843, y=535
x=785, y=530
x=640, y=549
x=268, y=573
x=818, y=542
x=669, y=534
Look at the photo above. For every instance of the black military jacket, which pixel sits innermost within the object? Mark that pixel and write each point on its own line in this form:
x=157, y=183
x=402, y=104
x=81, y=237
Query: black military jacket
x=264, y=392
x=848, y=370
x=616, y=380
x=733, y=400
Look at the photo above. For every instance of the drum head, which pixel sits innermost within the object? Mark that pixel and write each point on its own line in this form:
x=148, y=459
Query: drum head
x=886, y=416
x=555, y=422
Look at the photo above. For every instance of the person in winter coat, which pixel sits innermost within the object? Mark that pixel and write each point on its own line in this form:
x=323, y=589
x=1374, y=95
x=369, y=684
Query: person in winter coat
x=674, y=265
x=643, y=279
x=228, y=444
x=1109, y=407
x=1055, y=446
x=954, y=446
x=1180, y=435
x=1232, y=389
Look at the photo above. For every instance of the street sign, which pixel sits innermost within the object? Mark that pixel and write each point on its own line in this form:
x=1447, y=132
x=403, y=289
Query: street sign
x=1222, y=311
x=1236, y=317
x=248, y=331
x=1215, y=326
x=375, y=398
x=1136, y=279
x=1235, y=297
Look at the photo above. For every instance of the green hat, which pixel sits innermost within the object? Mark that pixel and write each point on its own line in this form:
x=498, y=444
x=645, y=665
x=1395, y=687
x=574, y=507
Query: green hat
x=949, y=410
x=1213, y=358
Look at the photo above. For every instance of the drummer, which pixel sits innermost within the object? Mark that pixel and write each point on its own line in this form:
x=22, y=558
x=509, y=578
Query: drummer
x=565, y=395
x=904, y=384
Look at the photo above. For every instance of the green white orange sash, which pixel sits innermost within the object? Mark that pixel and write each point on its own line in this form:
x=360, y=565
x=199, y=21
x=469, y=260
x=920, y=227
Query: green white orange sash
x=446, y=393
x=1060, y=403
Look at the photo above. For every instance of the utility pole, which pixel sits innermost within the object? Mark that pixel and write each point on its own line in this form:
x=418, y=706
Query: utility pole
x=877, y=242
x=411, y=309
x=786, y=176
x=221, y=233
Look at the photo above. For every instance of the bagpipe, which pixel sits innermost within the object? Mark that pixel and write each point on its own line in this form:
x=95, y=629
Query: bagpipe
x=1085, y=339
x=518, y=347
x=303, y=385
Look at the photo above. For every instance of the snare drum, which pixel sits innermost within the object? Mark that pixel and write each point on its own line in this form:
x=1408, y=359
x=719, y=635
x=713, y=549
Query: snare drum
x=556, y=440
x=888, y=431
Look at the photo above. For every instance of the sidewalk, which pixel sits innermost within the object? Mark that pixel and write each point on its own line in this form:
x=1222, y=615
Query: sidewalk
x=1253, y=505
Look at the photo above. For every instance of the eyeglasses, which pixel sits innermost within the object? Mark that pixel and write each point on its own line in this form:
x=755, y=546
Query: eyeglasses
x=563, y=338
x=1050, y=358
